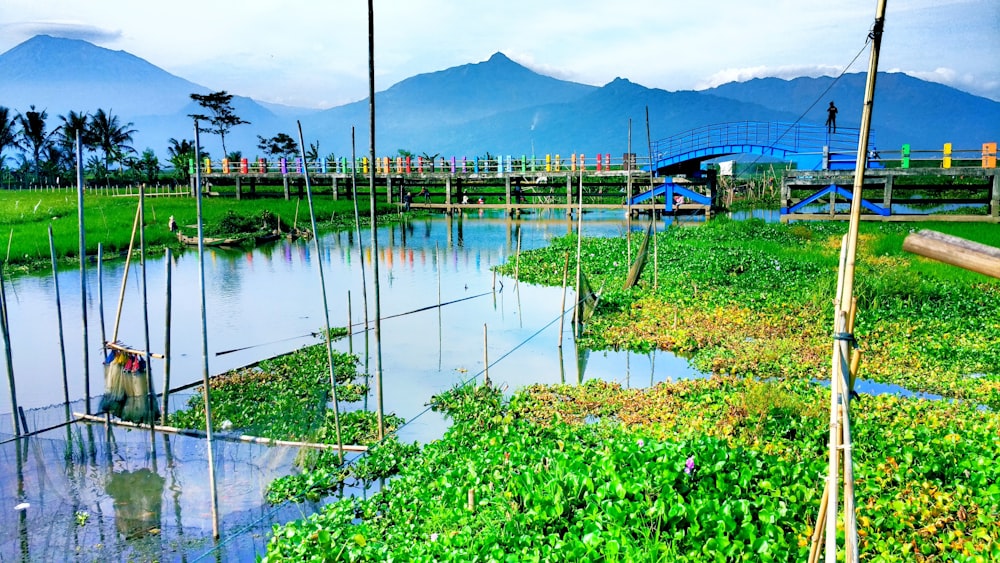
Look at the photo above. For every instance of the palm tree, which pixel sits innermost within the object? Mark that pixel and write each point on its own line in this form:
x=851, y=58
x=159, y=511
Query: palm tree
x=75, y=123
x=179, y=153
x=33, y=134
x=111, y=137
x=8, y=133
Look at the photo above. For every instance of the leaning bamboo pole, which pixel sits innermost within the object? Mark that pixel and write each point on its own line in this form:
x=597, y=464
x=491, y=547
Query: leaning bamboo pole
x=5, y=333
x=628, y=196
x=578, y=311
x=326, y=306
x=83, y=272
x=62, y=340
x=956, y=251
x=204, y=337
x=839, y=394
x=128, y=262
x=150, y=397
x=357, y=228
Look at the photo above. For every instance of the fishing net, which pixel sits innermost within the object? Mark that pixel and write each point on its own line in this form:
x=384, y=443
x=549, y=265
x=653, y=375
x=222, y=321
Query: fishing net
x=126, y=389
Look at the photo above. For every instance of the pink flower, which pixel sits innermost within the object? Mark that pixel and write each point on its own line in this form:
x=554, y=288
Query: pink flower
x=689, y=465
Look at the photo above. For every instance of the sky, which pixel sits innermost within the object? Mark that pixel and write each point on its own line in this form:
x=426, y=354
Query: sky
x=315, y=54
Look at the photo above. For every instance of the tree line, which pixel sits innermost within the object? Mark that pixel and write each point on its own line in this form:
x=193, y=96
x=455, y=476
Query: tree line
x=32, y=151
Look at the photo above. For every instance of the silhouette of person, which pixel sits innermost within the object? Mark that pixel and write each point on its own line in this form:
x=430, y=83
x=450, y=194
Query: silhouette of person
x=831, y=118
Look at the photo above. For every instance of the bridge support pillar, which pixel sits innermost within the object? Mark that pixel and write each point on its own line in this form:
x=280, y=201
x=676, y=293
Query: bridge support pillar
x=388, y=188
x=333, y=184
x=887, y=193
x=569, y=194
x=826, y=157
x=447, y=197
x=288, y=194
x=239, y=192
x=507, y=195
x=995, y=199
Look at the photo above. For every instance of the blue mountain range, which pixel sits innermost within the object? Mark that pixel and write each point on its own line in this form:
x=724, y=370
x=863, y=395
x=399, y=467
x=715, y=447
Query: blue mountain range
x=492, y=107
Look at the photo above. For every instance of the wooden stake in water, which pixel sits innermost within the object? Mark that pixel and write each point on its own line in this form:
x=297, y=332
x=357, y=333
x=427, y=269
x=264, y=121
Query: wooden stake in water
x=150, y=397
x=357, y=228
x=374, y=231
x=578, y=311
x=5, y=333
x=517, y=262
x=628, y=200
x=166, y=338
x=62, y=342
x=326, y=307
x=83, y=273
x=562, y=306
x=204, y=339
x=486, y=359
x=100, y=291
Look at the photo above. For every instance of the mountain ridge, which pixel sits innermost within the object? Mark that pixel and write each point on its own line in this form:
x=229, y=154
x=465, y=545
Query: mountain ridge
x=493, y=106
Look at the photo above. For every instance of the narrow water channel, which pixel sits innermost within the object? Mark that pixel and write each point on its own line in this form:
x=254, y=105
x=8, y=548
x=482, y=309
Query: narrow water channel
x=89, y=492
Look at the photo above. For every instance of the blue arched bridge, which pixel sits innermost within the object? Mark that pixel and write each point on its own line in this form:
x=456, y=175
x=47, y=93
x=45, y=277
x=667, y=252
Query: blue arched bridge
x=811, y=146
x=684, y=152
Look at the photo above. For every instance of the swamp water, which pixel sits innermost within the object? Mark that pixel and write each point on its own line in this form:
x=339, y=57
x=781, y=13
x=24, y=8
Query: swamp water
x=94, y=495
x=124, y=495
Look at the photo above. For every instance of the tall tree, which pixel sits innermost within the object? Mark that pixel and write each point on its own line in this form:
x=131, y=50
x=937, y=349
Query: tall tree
x=33, y=134
x=221, y=118
x=111, y=137
x=179, y=153
x=278, y=145
x=72, y=124
x=8, y=133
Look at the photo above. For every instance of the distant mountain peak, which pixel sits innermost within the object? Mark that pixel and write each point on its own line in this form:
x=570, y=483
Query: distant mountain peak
x=499, y=57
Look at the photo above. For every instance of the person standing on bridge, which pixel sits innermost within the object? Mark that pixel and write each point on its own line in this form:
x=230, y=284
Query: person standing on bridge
x=831, y=118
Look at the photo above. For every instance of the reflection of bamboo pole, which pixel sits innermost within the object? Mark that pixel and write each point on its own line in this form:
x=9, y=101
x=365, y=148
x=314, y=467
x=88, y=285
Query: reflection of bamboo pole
x=128, y=262
x=166, y=339
x=5, y=333
x=204, y=339
x=326, y=307
x=62, y=343
x=83, y=273
x=517, y=262
x=350, y=326
x=357, y=227
x=562, y=306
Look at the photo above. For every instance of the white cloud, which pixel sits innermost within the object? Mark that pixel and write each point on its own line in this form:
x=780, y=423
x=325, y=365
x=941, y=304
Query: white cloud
x=743, y=74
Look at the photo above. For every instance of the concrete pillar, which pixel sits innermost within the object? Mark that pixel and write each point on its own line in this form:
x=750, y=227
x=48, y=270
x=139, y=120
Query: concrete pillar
x=284, y=181
x=569, y=194
x=239, y=192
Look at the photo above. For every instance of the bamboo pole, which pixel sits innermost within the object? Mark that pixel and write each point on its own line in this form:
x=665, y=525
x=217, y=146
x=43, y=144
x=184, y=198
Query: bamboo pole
x=83, y=272
x=150, y=396
x=628, y=198
x=5, y=333
x=62, y=341
x=956, y=251
x=839, y=396
x=223, y=436
x=562, y=306
x=204, y=339
x=326, y=307
x=374, y=231
x=128, y=262
x=100, y=292
x=577, y=314
x=166, y=337
x=486, y=359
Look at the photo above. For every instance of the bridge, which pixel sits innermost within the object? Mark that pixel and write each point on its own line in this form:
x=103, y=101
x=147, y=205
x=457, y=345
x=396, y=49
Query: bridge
x=683, y=153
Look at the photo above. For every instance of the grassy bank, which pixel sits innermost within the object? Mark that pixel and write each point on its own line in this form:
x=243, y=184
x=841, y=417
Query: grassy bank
x=26, y=216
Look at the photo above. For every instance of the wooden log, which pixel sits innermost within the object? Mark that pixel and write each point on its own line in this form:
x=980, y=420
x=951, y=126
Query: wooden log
x=955, y=251
x=229, y=437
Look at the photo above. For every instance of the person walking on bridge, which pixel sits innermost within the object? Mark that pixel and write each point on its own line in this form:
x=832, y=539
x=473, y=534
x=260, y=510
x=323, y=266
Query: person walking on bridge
x=831, y=119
